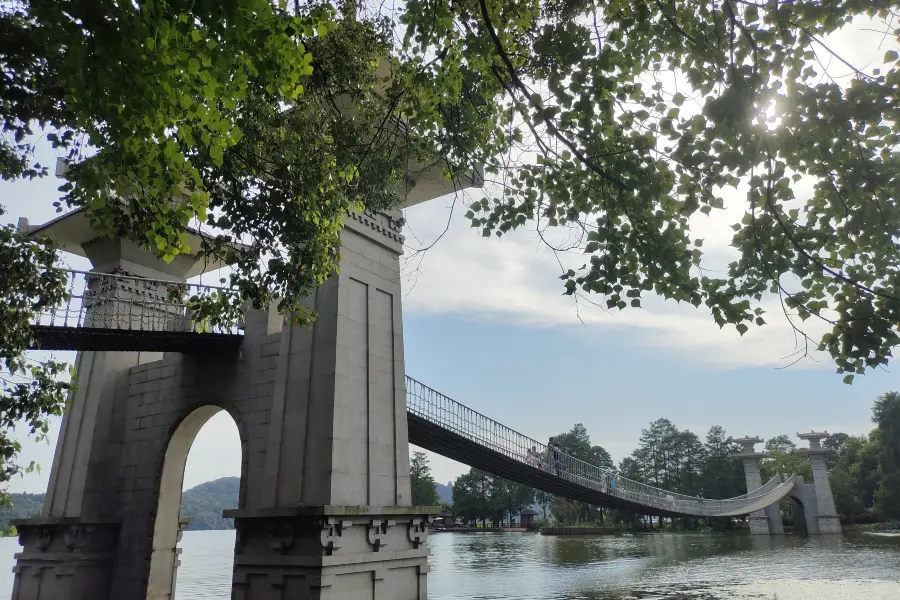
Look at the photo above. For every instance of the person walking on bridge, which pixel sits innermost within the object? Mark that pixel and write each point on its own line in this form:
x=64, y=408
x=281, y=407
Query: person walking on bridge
x=551, y=444
x=556, y=458
x=553, y=457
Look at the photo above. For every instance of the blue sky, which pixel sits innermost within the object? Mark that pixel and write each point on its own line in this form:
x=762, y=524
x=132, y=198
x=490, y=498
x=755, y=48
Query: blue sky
x=486, y=324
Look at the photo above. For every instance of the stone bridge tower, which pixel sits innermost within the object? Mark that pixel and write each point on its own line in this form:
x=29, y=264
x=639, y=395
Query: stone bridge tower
x=814, y=500
x=826, y=514
x=766, y=521
x=324, y=508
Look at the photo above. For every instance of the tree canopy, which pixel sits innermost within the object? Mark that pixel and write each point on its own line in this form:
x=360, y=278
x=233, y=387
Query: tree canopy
x=478, y=495
x=30, y=391
x=565, y=106
x=676, y=460
x=886, y=414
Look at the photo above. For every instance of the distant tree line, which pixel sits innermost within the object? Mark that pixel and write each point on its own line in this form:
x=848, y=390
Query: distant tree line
x=864, y=471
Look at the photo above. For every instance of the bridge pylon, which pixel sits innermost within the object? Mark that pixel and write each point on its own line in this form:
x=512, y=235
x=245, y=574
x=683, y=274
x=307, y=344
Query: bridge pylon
x=827, y=519
x=762, y=522
x=324, y=509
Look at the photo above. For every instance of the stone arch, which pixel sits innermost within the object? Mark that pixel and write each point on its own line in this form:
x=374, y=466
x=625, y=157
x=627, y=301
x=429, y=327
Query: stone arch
x=798, y=512
x=166, y=528
x=804, y=506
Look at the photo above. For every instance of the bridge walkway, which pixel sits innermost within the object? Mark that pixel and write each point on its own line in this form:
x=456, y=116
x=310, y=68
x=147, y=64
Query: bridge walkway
x=444, y=426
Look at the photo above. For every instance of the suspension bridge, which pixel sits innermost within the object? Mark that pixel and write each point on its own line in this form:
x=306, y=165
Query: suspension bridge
x=114, y=312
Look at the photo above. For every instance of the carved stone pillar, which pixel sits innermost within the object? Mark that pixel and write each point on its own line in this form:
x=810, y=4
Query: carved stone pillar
x=331, y=552
x=64, y=558
x=762, y=522
x=176, y=562
x=827, y=517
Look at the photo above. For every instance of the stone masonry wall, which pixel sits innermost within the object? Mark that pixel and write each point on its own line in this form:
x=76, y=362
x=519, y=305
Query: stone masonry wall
x=160, y=396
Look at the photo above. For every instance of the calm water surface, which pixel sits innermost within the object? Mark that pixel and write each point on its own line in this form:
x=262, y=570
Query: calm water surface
x=513, y=566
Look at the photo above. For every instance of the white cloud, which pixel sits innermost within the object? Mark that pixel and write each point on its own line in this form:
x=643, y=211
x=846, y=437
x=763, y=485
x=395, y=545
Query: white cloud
x=516, y=279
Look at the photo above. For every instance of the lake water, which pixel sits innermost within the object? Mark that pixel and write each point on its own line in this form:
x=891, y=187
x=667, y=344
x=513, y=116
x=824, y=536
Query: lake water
x=515, y=566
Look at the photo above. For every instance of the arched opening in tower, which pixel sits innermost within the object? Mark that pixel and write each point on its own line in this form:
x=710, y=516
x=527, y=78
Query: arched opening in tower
x=201, y=476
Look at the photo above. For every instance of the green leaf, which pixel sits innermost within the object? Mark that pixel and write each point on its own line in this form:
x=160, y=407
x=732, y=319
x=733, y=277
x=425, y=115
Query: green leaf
x=216, y=154
x=890, y=56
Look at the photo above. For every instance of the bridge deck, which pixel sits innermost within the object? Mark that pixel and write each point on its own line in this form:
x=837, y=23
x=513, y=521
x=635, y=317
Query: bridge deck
x=51, y=337
x=121, y=313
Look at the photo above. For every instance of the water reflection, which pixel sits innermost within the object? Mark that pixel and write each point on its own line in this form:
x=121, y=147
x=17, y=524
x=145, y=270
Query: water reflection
x=662, y=567
x=497, y=566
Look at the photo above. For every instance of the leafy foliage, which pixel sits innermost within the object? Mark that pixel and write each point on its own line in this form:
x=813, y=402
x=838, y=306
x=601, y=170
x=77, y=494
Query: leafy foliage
x=182, y=104
x=153, y=86
x=886, y=414
x=589, y=137
x=846, y=500
x=478, y=495
x=563, y=104
x=722, y=476
x=784, y=459
x=677, y=460
x=577, y=442
x=30, y=392
x=471, y=495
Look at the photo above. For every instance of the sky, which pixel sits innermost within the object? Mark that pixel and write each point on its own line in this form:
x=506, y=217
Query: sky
x=485, y=322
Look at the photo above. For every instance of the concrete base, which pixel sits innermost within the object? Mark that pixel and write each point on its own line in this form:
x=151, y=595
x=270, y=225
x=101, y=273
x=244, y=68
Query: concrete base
x=64, y=558
x=773, y=514
x=759, y=525
x=331, y=552
x=829, y=525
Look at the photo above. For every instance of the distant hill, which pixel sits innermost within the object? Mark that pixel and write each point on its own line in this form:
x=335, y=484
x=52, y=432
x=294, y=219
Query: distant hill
x=445, y=492
x=24, y=506
x=205, y=503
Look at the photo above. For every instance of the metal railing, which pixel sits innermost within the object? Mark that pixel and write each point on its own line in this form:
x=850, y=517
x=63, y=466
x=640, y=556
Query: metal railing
x=123, y=302
x=445, y=412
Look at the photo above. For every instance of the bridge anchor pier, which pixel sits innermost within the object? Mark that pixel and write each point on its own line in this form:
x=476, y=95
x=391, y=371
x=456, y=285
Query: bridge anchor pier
x=64, y=558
